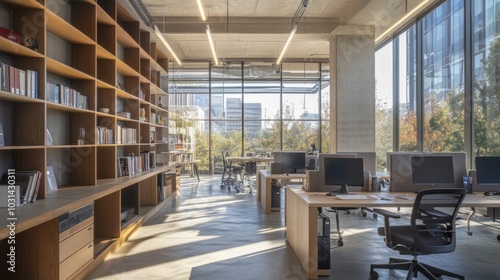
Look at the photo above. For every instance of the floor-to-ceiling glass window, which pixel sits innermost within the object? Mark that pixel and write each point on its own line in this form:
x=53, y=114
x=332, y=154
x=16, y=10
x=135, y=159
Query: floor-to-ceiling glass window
x=383, y=104
x=443, y=54
x=300, y=105
x=246, y=107
x=443, y=80
x=325, y=108
x=407, y=90
x=486, y=73
x=261, y=111
x=189, y=110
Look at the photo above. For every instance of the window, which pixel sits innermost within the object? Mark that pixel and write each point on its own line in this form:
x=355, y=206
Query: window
x=237, y=107
x=486, y=70
x=384, y=100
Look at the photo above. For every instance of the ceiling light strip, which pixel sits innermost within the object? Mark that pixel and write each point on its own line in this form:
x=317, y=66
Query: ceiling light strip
x=290, y=36
x=157, y=31
x=200, y=6
x=403, y=19
x=216, y=61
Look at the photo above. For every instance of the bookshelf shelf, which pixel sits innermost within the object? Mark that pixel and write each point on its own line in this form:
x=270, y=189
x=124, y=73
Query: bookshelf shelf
x=65, y=30
x=101, y=84
x=64, y=70
x=91, y=54
x=23, y=4
x=103, y=17
x=125, y=39
x=103, y=53
x=13, y=48
x=60, y=107
x=4, y=95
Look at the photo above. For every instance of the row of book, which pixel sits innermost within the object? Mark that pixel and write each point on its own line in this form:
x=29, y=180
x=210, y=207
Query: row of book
x=27, y=184
x=18, y=81
x=105, y=135
x=130, y=165
x=67, y=96
x=125, y=135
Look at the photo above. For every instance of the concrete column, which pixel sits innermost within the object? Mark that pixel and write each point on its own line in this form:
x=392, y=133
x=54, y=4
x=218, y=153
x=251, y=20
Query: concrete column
x=352, y=93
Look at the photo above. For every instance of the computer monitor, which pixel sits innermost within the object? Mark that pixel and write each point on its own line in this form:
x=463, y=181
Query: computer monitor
x=293, y=161
x=432, y=171
x=487, y=173
x=344, y=172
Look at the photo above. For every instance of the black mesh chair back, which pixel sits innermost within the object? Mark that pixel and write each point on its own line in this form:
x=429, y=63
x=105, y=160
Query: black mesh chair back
x=432, y=230
x=433, y=220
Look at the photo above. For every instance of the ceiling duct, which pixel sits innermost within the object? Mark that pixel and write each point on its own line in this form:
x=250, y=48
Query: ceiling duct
x=143, y=13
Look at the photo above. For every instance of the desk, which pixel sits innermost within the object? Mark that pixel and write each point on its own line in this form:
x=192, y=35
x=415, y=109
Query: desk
x=264, y=187
x=249, y=159
x=243, y=160
x=301, y=219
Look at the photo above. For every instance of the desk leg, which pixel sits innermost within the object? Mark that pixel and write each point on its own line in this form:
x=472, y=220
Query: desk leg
x=301, y=225
x=469, y=232
x=259, y=187
x=265, y=193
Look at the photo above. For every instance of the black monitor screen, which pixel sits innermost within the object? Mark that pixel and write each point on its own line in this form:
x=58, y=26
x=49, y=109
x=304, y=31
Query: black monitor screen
x=344, y=171
x=488, y=170
x=432, y=170
x=293, y=160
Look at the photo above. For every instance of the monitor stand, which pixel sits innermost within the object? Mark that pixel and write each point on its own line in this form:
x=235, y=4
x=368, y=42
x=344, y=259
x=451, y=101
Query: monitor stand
x=343, y=189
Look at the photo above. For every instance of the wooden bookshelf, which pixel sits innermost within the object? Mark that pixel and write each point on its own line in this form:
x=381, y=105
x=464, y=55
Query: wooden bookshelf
x=99, y=50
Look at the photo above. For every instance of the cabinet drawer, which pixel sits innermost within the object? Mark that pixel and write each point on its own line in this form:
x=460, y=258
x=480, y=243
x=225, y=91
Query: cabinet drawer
x=69, y=232
x=75, y=242
x=77, y=261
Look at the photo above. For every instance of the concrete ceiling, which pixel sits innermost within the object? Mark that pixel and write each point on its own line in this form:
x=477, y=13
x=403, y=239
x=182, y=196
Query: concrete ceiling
x=258, y=29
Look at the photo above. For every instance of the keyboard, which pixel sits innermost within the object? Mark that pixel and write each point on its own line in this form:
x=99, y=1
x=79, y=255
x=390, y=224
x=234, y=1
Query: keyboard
x=351, y=196
x=405, y=197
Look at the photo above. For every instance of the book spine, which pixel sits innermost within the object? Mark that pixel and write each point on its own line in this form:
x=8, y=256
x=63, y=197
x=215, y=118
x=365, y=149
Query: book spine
x=6, y=77
x=34, y=84
x=22, y=82
x=12, y=79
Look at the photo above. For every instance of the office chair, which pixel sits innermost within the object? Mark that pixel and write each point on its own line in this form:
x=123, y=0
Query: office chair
x=250, y=168
x=431, y=231
x=232, y=172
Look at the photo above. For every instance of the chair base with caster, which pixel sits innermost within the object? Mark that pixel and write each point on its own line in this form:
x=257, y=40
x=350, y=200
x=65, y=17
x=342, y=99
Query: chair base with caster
x=413, y=267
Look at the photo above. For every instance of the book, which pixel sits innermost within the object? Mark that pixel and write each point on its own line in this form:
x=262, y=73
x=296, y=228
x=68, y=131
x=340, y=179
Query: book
x=26, y=181
x=22, y=82
x=28, y=83
x=12, y=79
x=33, y=186
x=5, y=86
x=37, y=187
x=51, y=179
x=123, y=166
x=48, y=141
x=2, y=139
x=34, y=84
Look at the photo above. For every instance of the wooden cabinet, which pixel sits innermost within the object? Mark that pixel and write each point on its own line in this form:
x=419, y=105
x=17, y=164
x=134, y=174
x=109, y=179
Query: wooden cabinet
x=95, y=70
x=76, y=248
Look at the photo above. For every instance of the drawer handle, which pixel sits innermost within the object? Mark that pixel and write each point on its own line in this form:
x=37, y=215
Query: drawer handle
x=90, y=228
x=90, y=246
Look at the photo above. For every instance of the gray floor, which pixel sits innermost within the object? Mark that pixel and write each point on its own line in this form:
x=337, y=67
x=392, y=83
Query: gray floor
x=209, y=234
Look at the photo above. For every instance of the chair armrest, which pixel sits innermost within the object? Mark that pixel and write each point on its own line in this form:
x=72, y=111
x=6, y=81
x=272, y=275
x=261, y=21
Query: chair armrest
x=386, y=213
x=387, y=225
